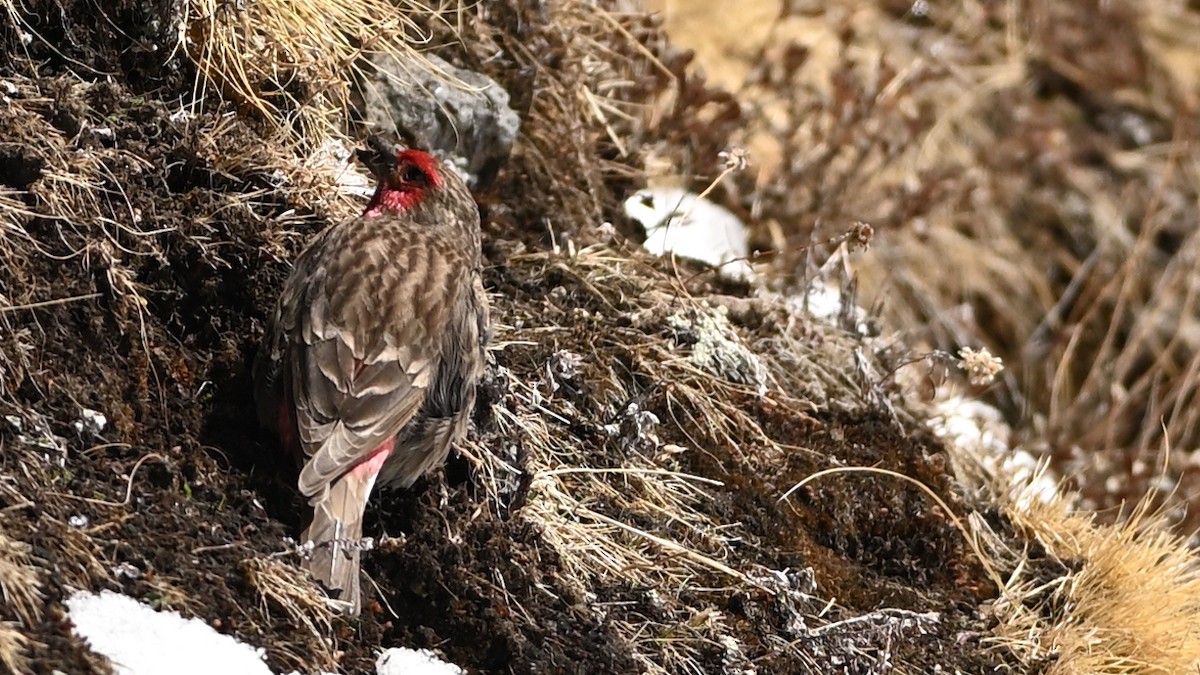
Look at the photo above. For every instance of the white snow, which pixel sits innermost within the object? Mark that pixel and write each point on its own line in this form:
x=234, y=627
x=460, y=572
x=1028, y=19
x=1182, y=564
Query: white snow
x=823, y=301
x=91, y=421
x=141, y=641
x=688, y=225
x=403, y=661
x=979, y=427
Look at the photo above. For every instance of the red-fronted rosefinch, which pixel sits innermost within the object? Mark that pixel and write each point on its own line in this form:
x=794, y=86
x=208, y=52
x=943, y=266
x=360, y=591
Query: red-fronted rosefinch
x=369, y=365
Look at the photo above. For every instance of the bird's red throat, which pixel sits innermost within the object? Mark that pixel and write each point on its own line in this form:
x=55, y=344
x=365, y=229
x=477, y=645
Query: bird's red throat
x=397, y=195
x=392, y=200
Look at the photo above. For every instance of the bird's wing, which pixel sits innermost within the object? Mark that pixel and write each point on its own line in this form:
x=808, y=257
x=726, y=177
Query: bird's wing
x=451, y=397
x=369, y=308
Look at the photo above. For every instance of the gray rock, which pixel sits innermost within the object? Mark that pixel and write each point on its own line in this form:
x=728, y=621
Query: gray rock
x=459, y=114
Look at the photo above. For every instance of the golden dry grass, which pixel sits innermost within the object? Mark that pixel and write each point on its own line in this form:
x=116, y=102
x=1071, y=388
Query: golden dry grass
x=20, y=587
x=288, y=593
x=1076, y=596
x=1101, y=599
x=22, y=596
x=293, y=63
x=13, y=646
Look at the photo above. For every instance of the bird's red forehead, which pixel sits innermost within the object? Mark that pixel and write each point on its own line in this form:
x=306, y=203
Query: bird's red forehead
x=423, y=161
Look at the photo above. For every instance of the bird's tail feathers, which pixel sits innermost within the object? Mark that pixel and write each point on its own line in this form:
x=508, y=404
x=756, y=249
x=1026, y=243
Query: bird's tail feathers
x=336, y=533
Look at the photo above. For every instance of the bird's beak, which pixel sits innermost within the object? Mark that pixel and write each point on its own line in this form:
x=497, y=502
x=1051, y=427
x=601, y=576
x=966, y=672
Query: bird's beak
x=379, y=156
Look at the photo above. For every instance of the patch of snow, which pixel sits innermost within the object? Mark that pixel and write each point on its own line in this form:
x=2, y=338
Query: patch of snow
x=683, y=223
x=91, y=421
x=980, y=428
x=823, y=301
x=403, y=661
x=141, y=641
x=969, y=423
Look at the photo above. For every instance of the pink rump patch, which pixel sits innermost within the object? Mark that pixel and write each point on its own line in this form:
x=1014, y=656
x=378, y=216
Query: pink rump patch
x=371, y=466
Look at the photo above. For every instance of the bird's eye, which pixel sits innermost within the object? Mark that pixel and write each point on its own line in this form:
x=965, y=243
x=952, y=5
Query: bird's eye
x=412, y=174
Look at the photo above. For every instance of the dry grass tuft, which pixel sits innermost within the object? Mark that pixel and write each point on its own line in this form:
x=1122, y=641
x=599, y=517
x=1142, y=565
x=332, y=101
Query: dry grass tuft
x=289, y=590
x=1101, y=599
x=1078, y=597
x=13, y=647
x=20, y=587
x=288, y=61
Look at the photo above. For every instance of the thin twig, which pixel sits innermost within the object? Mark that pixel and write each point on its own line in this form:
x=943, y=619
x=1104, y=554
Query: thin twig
x=49, y=303
x=128, y=485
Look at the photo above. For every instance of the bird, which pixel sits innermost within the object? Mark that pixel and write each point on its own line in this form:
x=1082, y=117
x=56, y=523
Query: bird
x=368, y=369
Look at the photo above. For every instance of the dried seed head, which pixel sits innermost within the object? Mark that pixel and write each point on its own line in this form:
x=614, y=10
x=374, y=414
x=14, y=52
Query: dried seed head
x=860, y=235
x=981, y=366
x=735, y=159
